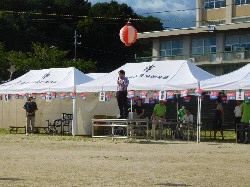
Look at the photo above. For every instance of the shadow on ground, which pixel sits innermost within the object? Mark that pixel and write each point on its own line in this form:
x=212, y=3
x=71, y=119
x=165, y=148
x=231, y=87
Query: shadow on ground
x=172, y=184
x=10, y=179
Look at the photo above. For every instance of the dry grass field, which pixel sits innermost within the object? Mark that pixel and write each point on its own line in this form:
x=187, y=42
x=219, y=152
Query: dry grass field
x=41, y=160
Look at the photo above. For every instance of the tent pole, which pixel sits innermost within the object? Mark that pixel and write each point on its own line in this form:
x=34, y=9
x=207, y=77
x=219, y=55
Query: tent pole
x=74, y=122
x=200, y=122
x=197, y=129
x=177, y=108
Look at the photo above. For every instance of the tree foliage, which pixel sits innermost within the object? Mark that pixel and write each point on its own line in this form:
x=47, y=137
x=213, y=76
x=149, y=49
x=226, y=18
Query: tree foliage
x=28, y=36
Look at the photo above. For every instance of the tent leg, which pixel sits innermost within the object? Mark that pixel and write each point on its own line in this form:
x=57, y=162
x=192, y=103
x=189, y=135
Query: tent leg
x=74, y=122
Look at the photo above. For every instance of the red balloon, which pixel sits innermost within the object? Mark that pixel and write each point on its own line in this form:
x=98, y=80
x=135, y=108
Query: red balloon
x=128, y=34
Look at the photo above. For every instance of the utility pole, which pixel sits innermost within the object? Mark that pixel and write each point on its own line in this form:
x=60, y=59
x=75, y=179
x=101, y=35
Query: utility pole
x=76, y=43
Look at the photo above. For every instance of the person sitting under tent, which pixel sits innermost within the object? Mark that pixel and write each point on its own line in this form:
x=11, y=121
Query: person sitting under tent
x=139, y=109
x=187, y=119
x=159, y=115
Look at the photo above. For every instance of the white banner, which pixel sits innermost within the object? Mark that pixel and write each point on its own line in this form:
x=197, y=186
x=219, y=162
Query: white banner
x=240, y=95
x=102, y=96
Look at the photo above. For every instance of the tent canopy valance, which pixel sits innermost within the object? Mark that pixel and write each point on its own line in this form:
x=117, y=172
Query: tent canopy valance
x=155, y=75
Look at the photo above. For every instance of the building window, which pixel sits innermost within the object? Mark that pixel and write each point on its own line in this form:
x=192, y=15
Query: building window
x=241, y=2
x=204, y=45
x=237, y=42
x=170, y=48
x=210, y=4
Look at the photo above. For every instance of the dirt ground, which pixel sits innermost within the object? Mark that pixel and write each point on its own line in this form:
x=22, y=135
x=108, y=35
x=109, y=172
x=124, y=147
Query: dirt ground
x=66, y=161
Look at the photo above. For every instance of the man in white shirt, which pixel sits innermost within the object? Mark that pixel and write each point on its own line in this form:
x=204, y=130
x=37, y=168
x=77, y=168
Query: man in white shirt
x=187, y=119
x=121, y=95
x=238, y=114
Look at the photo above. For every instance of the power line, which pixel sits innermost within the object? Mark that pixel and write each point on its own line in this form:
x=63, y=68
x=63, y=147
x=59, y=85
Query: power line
x=73, y=17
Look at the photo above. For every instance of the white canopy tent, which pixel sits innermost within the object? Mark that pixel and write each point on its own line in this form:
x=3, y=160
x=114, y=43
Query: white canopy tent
x=43, y=81
x=156, y=75
x=236, y=80
x=148, y=76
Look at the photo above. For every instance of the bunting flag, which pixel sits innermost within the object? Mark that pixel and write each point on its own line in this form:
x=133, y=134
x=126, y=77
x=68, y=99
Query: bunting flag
x=34, y=95
x=224, y=99
x=231, y=96
x=131, y=94
x=108, y=97
x=151, y=101
x=62, y=95
x=156, y=96
x=198, y=92
x=43, y=95
x=17, y=96
x=53, y=95
x=247, y=95
x=25, y=96
x=214, y=95
x=170, y=95
x=143, y=94
x=184, y=93
x=84, y=96
x=73, y=95
x=187, y=99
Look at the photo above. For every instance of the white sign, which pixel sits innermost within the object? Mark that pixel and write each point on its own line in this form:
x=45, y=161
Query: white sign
x=48, y=97
x=102, y=96
x=240, y=95
x=162, y=95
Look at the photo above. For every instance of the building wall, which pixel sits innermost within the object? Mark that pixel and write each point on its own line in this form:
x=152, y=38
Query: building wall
x=214, y=14
x=225, y=14
x=241, y=11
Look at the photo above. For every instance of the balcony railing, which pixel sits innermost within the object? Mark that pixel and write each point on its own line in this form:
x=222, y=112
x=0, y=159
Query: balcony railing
x=206, y=58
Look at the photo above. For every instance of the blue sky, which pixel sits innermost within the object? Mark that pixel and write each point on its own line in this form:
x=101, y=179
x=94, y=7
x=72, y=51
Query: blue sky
x=142, y=7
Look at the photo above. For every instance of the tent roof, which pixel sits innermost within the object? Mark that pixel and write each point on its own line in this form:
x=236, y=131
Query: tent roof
x=96, y=75
x=45, y=80
x=239, y=79
x=155, y=75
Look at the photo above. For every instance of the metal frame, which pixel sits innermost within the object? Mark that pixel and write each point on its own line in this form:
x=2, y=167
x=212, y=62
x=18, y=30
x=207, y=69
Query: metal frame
x=128, y=123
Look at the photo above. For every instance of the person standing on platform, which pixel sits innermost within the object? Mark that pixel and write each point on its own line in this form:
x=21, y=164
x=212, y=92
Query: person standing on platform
x=219, y=116
x=30, y=107
x=121, y=94
x=139, y=109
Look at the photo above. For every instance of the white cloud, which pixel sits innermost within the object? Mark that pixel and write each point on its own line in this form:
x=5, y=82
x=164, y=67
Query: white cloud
x=153, y=7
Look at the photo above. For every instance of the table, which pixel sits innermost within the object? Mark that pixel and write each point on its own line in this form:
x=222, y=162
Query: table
x=128, y=124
